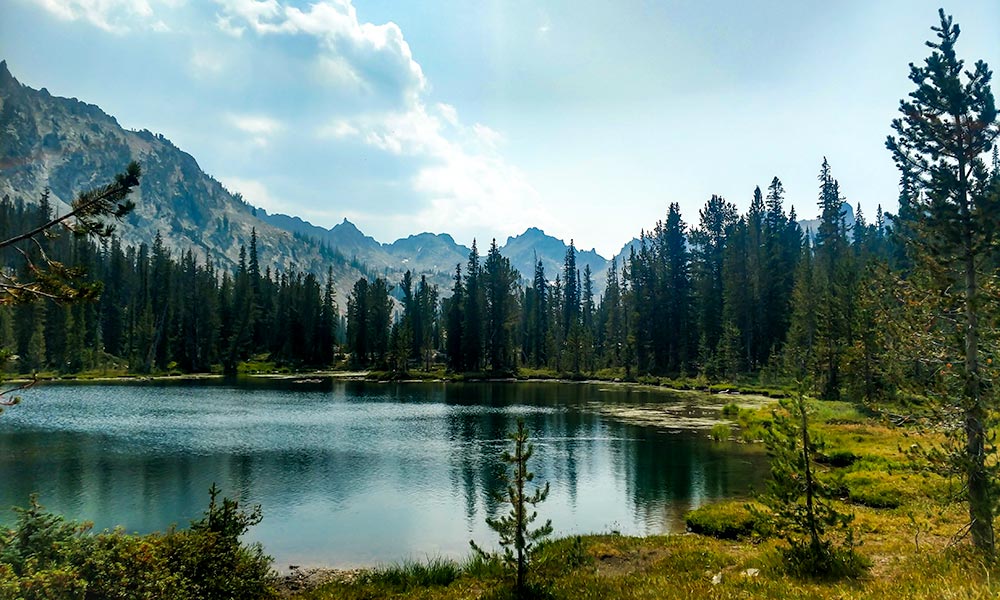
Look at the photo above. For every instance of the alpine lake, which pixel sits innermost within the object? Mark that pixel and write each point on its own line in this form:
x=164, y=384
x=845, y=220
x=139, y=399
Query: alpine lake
x=355, y=473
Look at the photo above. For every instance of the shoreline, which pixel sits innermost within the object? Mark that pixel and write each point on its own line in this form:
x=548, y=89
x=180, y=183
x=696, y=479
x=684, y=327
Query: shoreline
x=727, y=389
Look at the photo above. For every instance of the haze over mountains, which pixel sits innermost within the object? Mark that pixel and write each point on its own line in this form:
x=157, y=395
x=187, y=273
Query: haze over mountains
x=67, y=146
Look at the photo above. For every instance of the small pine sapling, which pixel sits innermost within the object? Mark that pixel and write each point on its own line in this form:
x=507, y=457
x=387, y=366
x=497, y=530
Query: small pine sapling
x=798, y=503
x=517, y=538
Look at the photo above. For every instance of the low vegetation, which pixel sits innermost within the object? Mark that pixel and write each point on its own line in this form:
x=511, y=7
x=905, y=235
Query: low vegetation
x=47, y=557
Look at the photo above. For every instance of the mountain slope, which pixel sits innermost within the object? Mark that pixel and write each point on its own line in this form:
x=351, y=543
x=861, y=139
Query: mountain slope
x=69, y=146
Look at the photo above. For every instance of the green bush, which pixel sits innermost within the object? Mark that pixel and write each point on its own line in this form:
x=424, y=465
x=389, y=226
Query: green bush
x=47, y=556
x=720, y=432
x=116, y=565
x=212, y=559
x=731, y=410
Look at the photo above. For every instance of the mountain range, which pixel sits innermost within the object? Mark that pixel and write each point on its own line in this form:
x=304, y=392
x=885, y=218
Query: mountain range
x=66, y=146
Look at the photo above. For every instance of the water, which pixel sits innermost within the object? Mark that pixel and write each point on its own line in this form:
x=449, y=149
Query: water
x=356, y=473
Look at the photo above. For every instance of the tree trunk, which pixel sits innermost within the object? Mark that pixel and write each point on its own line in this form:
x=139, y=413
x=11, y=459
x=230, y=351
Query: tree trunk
x=980, y=505
x=810, y=512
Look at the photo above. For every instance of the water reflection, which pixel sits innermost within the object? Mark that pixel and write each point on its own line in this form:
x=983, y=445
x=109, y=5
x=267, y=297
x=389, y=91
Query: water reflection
x=353, y=472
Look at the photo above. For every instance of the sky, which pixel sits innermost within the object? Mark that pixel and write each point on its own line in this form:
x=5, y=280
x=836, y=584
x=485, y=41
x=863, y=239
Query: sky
x=481, y=119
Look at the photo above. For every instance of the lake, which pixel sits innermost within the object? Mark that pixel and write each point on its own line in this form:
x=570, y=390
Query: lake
x=355, y=473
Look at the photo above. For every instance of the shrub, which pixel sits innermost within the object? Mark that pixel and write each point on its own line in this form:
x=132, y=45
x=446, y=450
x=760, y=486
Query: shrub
x=731, y=410
x=47, y=556
x=720, y=432
x=116, y=565
x=837, y=458
x=212, y=559
x=879, y=489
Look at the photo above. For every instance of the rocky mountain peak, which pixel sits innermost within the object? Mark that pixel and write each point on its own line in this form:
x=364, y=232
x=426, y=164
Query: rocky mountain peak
x=6, y=79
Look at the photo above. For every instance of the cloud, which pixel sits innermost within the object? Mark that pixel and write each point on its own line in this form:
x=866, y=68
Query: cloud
x=467, y=185
x=487, y=136
x=454, y=172
x=256, y=193
x=374, y=59
x=260, y=128
x=207, y=62
x=340, y=85
x=113, y=16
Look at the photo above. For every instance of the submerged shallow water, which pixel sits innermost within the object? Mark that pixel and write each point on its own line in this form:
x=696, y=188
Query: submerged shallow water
x=355, y=473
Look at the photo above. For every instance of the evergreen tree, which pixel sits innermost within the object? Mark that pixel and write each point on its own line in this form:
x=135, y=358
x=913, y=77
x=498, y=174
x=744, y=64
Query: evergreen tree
x=800, y=502
x=611, y=319
x=472, y=314
x=500, y=287
x=709, y=243
x=948, y=124
x=517, y=537
x=454, y=309
x=834, y=272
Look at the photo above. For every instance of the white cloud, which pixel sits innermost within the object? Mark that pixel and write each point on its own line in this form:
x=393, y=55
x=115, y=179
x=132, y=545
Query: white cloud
x=487, y=136
x=338, y=130
x=468, y=186
x=114, y=16
x=225, y=25
x=375, y=59
x=260, y=128
x=335, y=71
x=462, y=179
x=448, y=113
x=207, y=62
x=256, y=193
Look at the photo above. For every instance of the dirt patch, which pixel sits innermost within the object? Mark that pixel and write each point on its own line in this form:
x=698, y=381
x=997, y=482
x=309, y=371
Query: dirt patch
x=611, y=561
x=302, y=580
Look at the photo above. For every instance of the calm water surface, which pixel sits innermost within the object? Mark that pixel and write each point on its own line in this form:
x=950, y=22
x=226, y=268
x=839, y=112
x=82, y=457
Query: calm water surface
x=354, y=473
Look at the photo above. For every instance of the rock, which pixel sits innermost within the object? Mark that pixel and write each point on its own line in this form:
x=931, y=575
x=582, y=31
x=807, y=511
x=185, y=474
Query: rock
x=717, y=578
x=751, y=572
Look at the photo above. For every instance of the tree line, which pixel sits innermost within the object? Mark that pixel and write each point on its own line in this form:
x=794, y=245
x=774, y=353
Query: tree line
x=735, y=296
x=156, y=311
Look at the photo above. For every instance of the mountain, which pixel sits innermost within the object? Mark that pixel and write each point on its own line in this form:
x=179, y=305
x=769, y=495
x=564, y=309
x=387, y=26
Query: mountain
x=424, y=253
x=534, y=244
x=429, y=252
x=437, y=254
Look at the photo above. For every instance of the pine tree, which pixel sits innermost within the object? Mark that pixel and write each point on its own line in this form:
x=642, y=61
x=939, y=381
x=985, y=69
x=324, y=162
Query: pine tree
x=612, y=334
x=799, y=501
x=948, y=124
x=454, y=310
x=499, y=281
x=472, y=314
x=834, y=272
x=709, y=243
x=517, y=537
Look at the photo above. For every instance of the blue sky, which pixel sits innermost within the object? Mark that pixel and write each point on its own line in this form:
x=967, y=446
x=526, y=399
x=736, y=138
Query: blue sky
x=483, y=118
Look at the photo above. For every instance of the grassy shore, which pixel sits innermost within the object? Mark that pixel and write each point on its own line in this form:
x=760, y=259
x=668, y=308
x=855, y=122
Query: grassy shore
x=905, y=517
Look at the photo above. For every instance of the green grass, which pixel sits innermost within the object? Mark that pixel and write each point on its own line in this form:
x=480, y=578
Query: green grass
x=730, y=520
